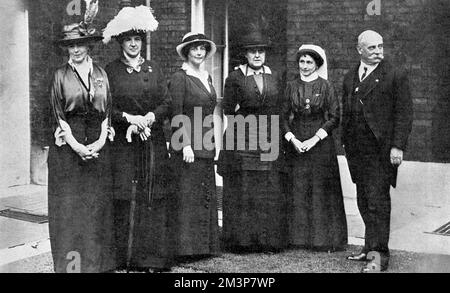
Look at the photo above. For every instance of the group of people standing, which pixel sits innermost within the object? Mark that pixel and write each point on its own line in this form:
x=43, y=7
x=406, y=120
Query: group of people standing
x=125, y=194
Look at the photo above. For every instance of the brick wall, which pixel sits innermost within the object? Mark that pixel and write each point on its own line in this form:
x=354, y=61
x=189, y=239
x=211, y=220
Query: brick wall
x=46, y=19
x=174, y=22
x=414, y=37
x=413, y=32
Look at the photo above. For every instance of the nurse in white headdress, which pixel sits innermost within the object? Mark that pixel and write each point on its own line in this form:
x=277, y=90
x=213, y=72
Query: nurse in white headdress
x=311, y=112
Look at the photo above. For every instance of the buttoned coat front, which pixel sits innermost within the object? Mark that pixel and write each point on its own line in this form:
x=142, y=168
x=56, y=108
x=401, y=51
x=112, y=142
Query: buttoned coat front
x=386, y=101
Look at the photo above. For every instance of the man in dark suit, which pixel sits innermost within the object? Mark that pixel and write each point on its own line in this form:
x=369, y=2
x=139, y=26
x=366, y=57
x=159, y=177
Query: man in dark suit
x=377, y=120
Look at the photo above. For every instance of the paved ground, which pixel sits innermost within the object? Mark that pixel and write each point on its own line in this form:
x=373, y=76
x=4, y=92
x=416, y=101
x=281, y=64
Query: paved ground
x=292, y=261
x=420, y=204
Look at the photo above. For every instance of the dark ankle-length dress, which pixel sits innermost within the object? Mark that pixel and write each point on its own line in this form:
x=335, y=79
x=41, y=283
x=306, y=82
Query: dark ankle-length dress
x=197, y=227
x=137, y=93
x=253, y=200
x=316, y=214
x=80, y=206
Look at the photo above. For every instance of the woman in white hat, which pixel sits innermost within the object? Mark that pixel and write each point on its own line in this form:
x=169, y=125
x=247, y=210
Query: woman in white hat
x=194, y=99
x=316, y=214
x=140, y=106
x=79, y=183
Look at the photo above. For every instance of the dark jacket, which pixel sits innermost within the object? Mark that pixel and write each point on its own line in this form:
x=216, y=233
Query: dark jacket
x=387, y=107
x=189, y=97
x=242, y=92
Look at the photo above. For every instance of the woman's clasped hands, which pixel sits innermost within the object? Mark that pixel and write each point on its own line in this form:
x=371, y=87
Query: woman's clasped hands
x=306, y=145
x=88, y=152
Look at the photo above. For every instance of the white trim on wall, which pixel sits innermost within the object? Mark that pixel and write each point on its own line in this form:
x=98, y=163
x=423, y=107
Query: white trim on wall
x=198, y=16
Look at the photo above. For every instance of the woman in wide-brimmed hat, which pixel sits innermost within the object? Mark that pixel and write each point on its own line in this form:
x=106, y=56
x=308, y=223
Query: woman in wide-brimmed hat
x=140, y=106
x=316, y=213
x=194, y=99
x=79, y=182
x=253, y=203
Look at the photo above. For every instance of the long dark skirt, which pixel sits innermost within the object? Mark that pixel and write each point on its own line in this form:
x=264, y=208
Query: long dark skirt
x=80, y=209
x=153, y=228
x=316, y=212
x=253, y=211
x=197, y=228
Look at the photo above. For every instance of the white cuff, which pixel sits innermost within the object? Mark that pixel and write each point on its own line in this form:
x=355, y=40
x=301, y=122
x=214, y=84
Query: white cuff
x=288, y=136
x=127, y=116
x=151, y=117
x=321, y=133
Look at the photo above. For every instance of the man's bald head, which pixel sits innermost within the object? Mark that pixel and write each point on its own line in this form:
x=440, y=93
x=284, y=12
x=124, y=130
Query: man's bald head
x=369, y=35
x=370, y=47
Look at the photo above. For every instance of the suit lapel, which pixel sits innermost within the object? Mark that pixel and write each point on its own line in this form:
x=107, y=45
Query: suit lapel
x=372, y=81
x=200, y=85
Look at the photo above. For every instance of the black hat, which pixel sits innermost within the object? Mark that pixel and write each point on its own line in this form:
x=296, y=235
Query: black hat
x=254, y=39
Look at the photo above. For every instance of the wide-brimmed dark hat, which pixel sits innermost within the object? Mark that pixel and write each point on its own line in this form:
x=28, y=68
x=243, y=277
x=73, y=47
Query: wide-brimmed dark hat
x=76, y=33
x=191, y=38
x=254, y=39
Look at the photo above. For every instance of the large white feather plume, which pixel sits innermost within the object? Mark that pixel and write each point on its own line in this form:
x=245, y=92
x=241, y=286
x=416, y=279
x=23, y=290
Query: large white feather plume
x=138, y=18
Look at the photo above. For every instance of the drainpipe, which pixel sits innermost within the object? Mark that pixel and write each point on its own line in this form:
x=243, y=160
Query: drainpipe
x=149, y=57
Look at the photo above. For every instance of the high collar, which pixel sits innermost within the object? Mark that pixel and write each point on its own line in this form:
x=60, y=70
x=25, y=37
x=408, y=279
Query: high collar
x=202, y=75
x=313, y=76
x=250, y=71
x=370, y=69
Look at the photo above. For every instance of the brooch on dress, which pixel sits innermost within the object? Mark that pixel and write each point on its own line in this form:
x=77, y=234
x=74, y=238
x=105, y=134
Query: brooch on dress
x=99, y=82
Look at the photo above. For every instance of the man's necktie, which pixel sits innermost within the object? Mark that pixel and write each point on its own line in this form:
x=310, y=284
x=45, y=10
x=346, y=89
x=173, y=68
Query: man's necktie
x=364, y=74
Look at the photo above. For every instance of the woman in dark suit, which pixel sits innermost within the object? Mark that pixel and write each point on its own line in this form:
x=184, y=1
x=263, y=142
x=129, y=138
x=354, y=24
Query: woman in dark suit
x=193, y=103
x=316, y=214
x=253, y=203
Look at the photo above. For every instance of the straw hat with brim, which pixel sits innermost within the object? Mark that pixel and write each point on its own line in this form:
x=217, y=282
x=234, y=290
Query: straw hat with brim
x=76, y=34
x=315, y=55
x=191, y=38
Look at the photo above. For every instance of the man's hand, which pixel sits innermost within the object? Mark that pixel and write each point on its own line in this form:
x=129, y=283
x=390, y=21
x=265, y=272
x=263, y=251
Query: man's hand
x=396, y=156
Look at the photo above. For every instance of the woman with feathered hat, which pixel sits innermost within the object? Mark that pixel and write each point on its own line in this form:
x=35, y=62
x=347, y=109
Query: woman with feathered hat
x=194, y=98
x=316, y=213
x=140, y=106
x=253, y=203
x=79, y=180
